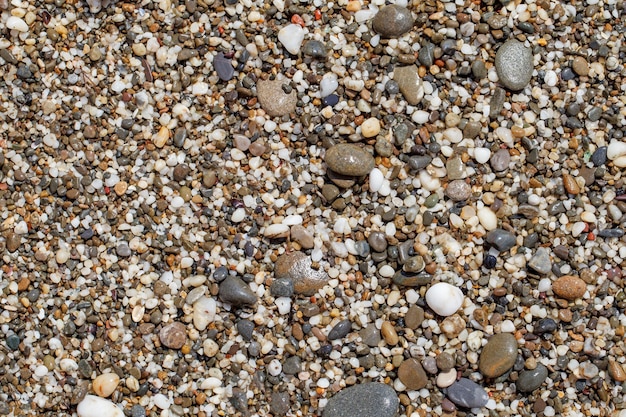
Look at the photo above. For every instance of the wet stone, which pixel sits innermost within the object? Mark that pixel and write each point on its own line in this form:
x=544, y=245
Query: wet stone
x=426, y=54
x=371, y=399
x=410, y=279
x=498, y=355
x=412, y=375
x=546, y=325
x=501, y=239
x=569, y=287
x=392, y=21
x=468, y=394
x=297, y=267
x=235, y=291
x=349, y=159
x=314, y=49
x=418, y=162
x=599, y=157
x=531, y=379
x=340, y=330
x=514, y=65
x=13, y=342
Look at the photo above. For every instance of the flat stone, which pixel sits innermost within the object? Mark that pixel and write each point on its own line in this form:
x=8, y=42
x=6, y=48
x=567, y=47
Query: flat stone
x=500, y=160
x=514, y=65
x=410, y=84
x=315, y=49
x=370, y=335
x=224, y=67
x=569, y=287
x=349, y=159
x=498, y=355
x=13, y=242
x=580, y=66
x=174, y=335
x=340, y=330
x=546, y=325
x=282, y=287
x=531, y=379
x=273, y=98
x=458, y=190
x=410, y=279
x=235, y=291
x=393, y=21
x=501, y=239
x=377, y=241
x=297, y=267
x=279, y=404
x=412, y=375
x=540, y=261
x=372, y=399
x=414, y=317
x=468, y=394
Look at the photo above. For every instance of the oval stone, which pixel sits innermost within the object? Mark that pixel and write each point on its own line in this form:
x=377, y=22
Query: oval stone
x=569, y=287
x=531, y=379
x=498, y=355
x=298, y=267
x=393, y=21
x=468, y=394
x=273, y=98
x=514, y=65
x=371, y=399
x=412, y=375
x=349, y=159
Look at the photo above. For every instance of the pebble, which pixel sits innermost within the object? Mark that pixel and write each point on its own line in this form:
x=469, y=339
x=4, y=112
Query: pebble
x=570, y=184
x=282, y=287
x=458, y=190
x=370, y=335
x=273, y=98
x=302, y=236
x=500, y=160
x=16, y=23
x=370, y=127
x=297, y=267
x=540, y=262
x=173, y=335
x=444, y=299
x=314, y=49
x=410, y=84
x=580, y=66
x=292, y=36
x=388, y=332
x=569, y=287
x=545, y=325
x=531, y=379
x=245, y=329
x=498, y=355
x=13, y=342
x=13, y=242
x=92, y=406
x=468, y=394
x=393, y=21
x=224, y=67
x=235, y=291
x=617, y=371
x=204, y=311
x=370, y=399
x=514, y=65
x=280, y=404
x=501, y=239
x=349, y=159
x=292, y=365
x=445, y=379
x=105, y=384
x=340, y=330
x=412, y=375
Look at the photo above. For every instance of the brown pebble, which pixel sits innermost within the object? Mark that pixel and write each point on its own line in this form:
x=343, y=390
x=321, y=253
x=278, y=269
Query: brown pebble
x=580, y=66
x=617, y=372
x=173, y=335
x=389, y=333
x=120, y=188
x=570, y=184
x=412, y=375
x=23, y=284
x=414, y=317
x=569, y=287
x=499, y=292
x=296, y=331
x=565, y=315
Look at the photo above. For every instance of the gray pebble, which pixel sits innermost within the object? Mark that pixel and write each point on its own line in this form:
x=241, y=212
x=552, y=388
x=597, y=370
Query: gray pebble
x=370, y=335
x=224, y=67
x=371, y=399
x=235, y=291
x=13, y=342
x=349, y=159
x=501, y=239
x=479, y=70
x=282, y=287
x=497, y=102
x=123, y=250
x=245, y=329
x=500, y=160
x=531, y=379
x=377, y=241
x=392, y=21
x=137, y=411
x=426, y=54
x=410, y=84
x=458, y=190
x=418, y=162
x=599, y=157
x=430, y=365
x=340, y=330
x=292, y=365
x=514, y=65
x=540, y=261
x=468, y=394
x=279, y=404
x=315, y=49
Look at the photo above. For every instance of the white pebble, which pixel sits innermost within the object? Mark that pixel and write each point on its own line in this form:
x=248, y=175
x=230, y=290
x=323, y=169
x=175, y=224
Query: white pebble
x=487, y=218
x=445, y=379
x=328, y=85
x=444, y=299
x=376, y=180
x=211, y=383
x=550, y=78
x=275, y=231
x=204, y=311
x=291, y=36
x=162, y=401
x=210, y=348
x=386, y=271
x=283, y=304
x=16, y=23
x=177, y=202
x=616, y=149
x=544, y=285
x=92, y=406
x=274, y=367
x=420, y=116
x=41, y=370
x=238, y=215
x=482, y=155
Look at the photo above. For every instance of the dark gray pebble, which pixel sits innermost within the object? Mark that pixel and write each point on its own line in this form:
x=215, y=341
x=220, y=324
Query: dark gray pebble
x=279, y=404
x=245, y=329
x=13, y=342
x=546, y=325
x=372, y=399
x=392, y=21
x=224, y=67
x=292, y=365
x=282, y=287
x=235, y=291
x=531, y=379
x=501, y=239
x=611, y=233
x=468, y=394
x=340, y=330
x=599, y=157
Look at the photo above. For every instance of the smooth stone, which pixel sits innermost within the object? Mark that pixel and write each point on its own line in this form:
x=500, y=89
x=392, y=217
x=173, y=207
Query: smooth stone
x=291, y=37
x=569, y=287
x=13, y=242
x=599, y=157
x=279, y=404
x=204, y=311
x=617, y=371
x=414, y=317
x=349, y=159
x=444, y=299
x=546, y=325
x=409, y=279
x=174, y=335
x=273, y=98
x=92, y=406
x=496, y=104
x=282, y=287
x=393, y=21
x=412, y=375
x=224, y=67
x=500, y=160
x=501, y=239
x=13, y=342
x=426, y=54
x=540, y=261
x=468, y=394
x=418, y=162
x=370, y=335
x=531, y=379
x=245, y=329
x=104, y=385
x=410, y=83
x=297, y=267
x=580, y=66
x=445, y=379
x=458, y=190
x=371, y=399
x=498, y=355
x=302, y=236
x=340, y=330
x=514, y=65
x=292, y=365
x=315, y=49
x=235, y=291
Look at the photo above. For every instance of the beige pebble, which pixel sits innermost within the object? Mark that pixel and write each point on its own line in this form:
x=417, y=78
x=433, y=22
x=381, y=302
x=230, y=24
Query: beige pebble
x=370, y=127
x=105, y=384
x=120, y=188
x=161, y=137
x=445, y=379
x=389, y=333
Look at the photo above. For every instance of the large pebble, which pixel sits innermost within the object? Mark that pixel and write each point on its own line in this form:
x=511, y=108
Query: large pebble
x=273, y=98
x=514, y=65
x=531, y=379
x=204, y=311
x=616, y=152
x=291, y=36
x=501, y=239
x=105, y=384
x=444, y=299
x=458, y=190
x=410, y=84
x=234, y=291
x=500, y=160
x=540, y=261
x=468, y=394
x=393, y=21
x=16, y=23
x=297, y=267
x=487, y=218
x=174, y=335
x=412, y=375
x=498, y=355
x=372, y=399
x=340, y=330
x=92, y=406
x=569, y=287
x=349, y=159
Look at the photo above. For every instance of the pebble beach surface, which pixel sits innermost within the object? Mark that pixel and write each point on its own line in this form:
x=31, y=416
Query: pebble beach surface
x=309, y=208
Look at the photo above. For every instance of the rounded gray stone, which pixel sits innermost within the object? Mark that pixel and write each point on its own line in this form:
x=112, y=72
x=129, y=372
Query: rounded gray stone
x=393, y=21
x=458, y=190
x=410, y=84
x=340, y=330
x=372, y=399
x=235, y=291
x=531, y=379
x=468, y=394
x=349, y=159
x=273, y=98
x=501, y=239
x=514, y=65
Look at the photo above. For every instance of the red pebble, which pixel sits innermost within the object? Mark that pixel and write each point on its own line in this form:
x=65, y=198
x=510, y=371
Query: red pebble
x=318, y=14
x=591, y=236
x=296, y=19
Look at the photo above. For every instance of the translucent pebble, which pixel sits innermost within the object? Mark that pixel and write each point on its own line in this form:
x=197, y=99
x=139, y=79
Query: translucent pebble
x=376, y=180
x=204, y=311
x=92, y=406
x=105, y=384
x=291, y=36
x=283, y=304
x=444, y=299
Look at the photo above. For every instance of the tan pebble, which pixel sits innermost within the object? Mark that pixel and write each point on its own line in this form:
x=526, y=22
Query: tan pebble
x=445, y=379
x=105, y=384
x=412, y=374
x=161, y=137
x=370, y=127
x=617, y=372
x=353, y=6
x=570, y=184
x=120, y=188
x=452, y=326
x=569, y=287
x=389, y=333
